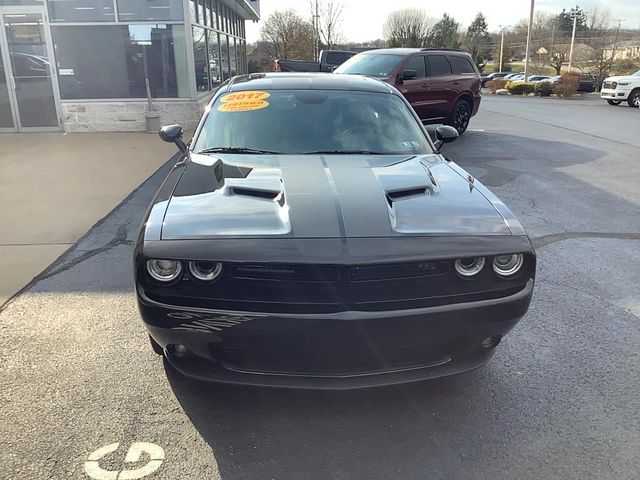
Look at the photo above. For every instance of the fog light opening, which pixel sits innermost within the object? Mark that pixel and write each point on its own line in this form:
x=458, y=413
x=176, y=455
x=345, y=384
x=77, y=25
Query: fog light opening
x=491, y=342
x=178, y=350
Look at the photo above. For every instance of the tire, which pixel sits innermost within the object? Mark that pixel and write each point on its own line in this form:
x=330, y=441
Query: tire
x=614, y=102
x=634, y=98
x=156, y=346
x=460, y=116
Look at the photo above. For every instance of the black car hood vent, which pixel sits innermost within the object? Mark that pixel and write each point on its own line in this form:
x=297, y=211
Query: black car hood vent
x=256, y=193
x=406, y=193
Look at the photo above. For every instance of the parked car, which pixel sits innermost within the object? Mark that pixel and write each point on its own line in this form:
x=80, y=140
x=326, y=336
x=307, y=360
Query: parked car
x=329, y=60
x=492, y=76
x=538, y=78
x=442, y=85
x=587, y=84
x=311, y=235
x=511, y=76
x=618, y=89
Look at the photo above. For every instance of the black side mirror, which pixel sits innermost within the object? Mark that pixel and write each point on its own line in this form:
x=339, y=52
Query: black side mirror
x=441, y=134
x=409, y=75
x=173, y=134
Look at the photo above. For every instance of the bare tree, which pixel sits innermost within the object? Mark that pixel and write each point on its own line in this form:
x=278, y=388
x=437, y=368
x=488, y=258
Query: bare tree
x=285, y=34
x=597, y=61
x=410, y=27
x=329, y=22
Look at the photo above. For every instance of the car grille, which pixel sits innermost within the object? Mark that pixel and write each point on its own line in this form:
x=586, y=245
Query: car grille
x=322, y=289
x=331, y=347
x=609, y=85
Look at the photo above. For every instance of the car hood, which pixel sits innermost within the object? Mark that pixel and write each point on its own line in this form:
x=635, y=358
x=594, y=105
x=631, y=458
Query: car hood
x=618, y=78
x=327, y=196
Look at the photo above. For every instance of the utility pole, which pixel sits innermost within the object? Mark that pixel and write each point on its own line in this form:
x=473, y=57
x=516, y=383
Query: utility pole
x=501, y=46
x=526, y=60
x=615, y=42
x=573, y=37
x=316, y=22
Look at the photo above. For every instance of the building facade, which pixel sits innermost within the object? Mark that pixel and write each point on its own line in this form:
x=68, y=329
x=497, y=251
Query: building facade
x=112, y=65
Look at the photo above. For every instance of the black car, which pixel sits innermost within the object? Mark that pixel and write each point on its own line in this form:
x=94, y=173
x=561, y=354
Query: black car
x=492, y=76
x=311, y=235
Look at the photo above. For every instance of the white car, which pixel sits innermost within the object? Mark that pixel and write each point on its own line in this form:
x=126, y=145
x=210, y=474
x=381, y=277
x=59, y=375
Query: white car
x=615, y=90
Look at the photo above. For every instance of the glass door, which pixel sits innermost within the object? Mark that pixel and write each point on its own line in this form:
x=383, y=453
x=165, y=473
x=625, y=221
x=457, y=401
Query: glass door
x=6, y=112
x=28, y=72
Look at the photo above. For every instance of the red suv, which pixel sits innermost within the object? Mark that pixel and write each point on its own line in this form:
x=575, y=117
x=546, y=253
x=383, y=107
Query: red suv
x=442, y=85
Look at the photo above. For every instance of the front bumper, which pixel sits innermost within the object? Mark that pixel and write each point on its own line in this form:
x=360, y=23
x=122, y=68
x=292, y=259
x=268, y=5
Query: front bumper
x=614, y=94
x=351, y=349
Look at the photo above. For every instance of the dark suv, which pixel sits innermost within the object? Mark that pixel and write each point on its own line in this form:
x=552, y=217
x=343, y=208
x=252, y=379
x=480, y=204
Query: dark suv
x=442, y=85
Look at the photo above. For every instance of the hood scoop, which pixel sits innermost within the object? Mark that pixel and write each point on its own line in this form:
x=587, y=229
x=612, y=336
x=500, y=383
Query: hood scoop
x=255, y=192
x=407, y=193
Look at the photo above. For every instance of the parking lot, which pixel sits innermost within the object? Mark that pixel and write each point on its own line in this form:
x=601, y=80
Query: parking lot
x=559, y=399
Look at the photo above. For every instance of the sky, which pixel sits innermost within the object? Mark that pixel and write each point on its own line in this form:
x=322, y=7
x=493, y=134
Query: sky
x=363, y=19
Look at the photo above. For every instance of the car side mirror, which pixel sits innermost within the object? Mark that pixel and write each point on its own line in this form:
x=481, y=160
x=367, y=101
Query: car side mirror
x=173, y=134
x=409, y=75
x=442, y=134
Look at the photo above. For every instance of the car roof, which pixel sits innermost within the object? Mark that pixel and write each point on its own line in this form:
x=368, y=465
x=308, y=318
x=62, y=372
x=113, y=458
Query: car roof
x=306, y=81
x=408, y=51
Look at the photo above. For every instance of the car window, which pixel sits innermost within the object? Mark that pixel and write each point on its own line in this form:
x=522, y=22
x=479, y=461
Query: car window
x=463, y=64
x=375, y=65
x=305, y=121
x=336, y=58
x=417, y=64
x=438, y=65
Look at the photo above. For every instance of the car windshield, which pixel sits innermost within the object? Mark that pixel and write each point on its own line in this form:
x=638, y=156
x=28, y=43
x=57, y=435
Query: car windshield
x=311, y=121
x=374, y=65
x=637, y=74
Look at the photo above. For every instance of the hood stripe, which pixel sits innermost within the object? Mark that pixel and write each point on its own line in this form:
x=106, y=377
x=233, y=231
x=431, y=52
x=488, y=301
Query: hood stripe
x=334, y=189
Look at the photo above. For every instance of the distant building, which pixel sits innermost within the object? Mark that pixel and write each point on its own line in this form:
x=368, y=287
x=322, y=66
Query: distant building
x=623, y=50
x=83, y=65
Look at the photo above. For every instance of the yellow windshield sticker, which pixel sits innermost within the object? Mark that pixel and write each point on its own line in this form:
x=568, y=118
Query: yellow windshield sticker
x=244, y=101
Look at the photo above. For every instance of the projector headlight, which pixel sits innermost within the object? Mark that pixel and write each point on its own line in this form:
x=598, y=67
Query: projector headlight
x=164, y=270
x=468, y=267
x=508, y=265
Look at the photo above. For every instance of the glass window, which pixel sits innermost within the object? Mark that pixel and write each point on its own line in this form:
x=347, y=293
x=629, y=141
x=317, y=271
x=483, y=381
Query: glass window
x=110, y=61
x=200, y=58
x=201, y=12
x=463, y=64
x=207, y=13
x=214, y=59
x=224, y=61
x=418, y=65
x=232, y=57
x=214, y=14
x=438, y=65
x=375, y=65
x=193, y=11
x=81, y=10
x=21, y=2
x=341, y=121
x=149, y=10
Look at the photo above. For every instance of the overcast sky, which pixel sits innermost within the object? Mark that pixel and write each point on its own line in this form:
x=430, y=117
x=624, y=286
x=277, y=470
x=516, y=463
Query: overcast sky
x=363, y=19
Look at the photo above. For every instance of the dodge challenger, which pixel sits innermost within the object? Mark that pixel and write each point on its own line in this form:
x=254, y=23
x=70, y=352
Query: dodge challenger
x=312, y=235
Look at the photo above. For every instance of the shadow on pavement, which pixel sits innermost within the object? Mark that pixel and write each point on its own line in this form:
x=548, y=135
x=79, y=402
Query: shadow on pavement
x=422, y=430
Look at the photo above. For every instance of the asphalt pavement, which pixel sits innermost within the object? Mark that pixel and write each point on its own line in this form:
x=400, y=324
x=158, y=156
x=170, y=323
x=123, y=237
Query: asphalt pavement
x=559, y=400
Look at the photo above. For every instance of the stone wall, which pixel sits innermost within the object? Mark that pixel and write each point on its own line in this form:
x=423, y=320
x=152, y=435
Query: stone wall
x=128, y=116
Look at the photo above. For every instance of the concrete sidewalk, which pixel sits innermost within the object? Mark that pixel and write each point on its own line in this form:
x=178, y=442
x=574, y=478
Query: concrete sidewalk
x=54, y=187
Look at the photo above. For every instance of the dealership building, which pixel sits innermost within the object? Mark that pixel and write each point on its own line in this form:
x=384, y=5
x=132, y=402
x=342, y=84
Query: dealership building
x=116, y=65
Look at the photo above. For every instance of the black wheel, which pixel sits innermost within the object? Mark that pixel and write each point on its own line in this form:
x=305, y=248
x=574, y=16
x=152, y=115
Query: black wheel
x=614, y=102
x=634, y=98
x=460, y=116
x=156, y=346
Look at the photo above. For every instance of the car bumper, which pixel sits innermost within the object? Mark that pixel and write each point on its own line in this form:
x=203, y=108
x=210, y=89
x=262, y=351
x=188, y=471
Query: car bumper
x=616, y=94
x=333, y=351
x=476, y=105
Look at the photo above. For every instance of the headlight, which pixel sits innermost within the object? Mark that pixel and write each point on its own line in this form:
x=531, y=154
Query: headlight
x=468, y=267
x=205, y=271
x=508, y=265
x=164, y=270
x=614, y=85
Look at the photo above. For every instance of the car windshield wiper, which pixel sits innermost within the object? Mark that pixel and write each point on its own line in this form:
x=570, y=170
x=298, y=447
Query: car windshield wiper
x=344, y=152
x=237, y=150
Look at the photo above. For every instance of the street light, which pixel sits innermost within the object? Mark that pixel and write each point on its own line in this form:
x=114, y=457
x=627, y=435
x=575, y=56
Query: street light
x=526, y=59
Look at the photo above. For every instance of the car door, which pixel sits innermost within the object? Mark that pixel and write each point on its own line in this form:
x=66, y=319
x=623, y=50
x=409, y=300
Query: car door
x=414, y=89
x=442, y=87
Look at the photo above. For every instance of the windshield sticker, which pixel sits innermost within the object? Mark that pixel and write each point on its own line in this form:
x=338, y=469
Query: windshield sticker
x=244, y=101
